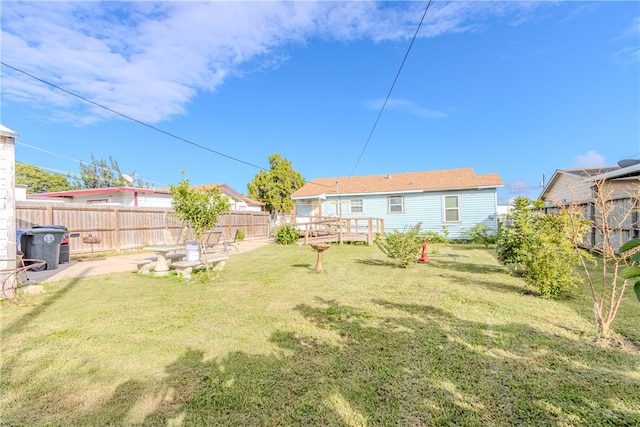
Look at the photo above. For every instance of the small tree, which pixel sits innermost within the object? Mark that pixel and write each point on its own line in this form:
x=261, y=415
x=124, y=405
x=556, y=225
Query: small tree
x=401, y=246
x=276, y=186
x=101, y=174
x=200, y=208
x=511, y=239
x=617, y=264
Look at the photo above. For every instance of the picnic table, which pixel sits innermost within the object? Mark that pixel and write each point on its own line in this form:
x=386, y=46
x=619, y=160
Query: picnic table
x=162, y=267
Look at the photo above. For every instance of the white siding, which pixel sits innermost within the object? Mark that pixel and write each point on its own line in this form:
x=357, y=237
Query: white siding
x=154, y=200
x=569, y=188
x=127, y=199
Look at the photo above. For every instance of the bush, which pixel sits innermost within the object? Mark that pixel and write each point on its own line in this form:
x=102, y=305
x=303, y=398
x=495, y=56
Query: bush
x=482, y=234
x=445, y=234
x=287, y=235
x=541, y=246
x=401, y=246
x=433, y=237
x=240, y=235
x=550, y=260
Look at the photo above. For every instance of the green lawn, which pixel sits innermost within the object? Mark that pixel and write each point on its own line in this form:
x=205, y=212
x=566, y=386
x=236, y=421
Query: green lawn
x=274, y=343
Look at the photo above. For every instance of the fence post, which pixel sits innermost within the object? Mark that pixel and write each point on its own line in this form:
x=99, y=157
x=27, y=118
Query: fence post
x=116, y=237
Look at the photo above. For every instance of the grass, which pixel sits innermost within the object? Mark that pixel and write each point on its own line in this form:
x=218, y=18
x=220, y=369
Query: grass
x=272, y=342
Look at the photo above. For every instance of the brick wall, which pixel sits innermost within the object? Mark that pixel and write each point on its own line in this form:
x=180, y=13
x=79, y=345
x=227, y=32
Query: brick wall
x=7, y=207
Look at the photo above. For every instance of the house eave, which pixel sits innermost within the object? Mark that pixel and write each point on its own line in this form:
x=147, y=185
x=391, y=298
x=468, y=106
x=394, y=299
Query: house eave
x=92, y=191
x=382, y=193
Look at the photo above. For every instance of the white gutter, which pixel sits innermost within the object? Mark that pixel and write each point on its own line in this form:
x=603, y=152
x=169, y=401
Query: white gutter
x=378, y=193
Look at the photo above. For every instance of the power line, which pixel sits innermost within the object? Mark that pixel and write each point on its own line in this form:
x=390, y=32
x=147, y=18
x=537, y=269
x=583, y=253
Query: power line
x=218, y=152
x=137, y=121
x=66, y=174
x=131, y=118
x=375, y=124
x=77, y=161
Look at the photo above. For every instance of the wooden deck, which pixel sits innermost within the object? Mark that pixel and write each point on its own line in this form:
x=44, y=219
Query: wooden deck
x=336, y=230
x=336, y=238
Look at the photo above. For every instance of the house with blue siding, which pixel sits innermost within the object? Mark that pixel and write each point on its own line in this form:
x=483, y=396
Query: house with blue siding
x=456, y=199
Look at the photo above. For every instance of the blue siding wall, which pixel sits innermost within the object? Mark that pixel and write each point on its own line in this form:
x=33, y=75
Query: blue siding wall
x=475, y=206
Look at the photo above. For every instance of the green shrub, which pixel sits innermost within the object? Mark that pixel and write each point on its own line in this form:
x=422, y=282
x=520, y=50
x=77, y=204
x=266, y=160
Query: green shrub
x=433, y=237
x=541, y=245
x=240, y=235
x=482, y=234
x=401, y=246
x=445, y=234
x=287, y=235
x=549, y=265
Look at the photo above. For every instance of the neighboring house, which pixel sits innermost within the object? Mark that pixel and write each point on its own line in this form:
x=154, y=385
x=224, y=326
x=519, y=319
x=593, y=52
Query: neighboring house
x=568, y=186
x=143, y=197
x=21, y=192
x=238, y=201
x=620, y=184
x=125, y=196
x=457, y=199
x=504, y=211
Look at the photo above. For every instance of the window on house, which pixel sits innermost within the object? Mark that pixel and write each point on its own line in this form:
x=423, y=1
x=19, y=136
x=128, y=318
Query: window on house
x=396, y=204
x=451, y=209
x=356, y=206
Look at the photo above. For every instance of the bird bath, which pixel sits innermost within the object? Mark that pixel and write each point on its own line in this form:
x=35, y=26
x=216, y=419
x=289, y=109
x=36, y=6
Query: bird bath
x=91, y=240
x=320, y=247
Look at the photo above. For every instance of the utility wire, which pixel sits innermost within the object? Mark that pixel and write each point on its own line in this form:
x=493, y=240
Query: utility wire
x=106, y=168
x=140, y=122
x=66, y=174
x=131, y=118
x=364, y=148
x=375, y=124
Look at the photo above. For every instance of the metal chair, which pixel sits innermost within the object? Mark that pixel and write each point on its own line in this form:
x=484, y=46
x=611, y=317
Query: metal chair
x=231, y=243
x=212, y=240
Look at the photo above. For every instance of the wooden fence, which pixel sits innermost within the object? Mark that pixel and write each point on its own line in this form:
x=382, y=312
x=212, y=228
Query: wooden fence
x=622, y=219
x=121, y=228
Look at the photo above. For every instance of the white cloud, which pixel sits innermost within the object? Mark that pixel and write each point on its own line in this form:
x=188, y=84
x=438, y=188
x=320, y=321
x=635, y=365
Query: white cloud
x=633, y=30
x=406, y=107
x=149, y=59
x=591, y=159
x=629, y=55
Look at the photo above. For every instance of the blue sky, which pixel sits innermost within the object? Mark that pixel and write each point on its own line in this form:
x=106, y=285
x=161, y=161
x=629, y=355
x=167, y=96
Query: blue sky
x=514, y=88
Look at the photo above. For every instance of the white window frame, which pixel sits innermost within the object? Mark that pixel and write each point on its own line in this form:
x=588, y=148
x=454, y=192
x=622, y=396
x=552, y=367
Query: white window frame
x=446, y=209
x=359, y=205
x=389, y=205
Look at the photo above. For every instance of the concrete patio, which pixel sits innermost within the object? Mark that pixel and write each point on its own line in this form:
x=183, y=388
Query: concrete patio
x=116, y=264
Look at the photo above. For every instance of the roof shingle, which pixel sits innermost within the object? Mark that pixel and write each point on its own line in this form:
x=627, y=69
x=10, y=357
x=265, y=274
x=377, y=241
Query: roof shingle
x=451, y=179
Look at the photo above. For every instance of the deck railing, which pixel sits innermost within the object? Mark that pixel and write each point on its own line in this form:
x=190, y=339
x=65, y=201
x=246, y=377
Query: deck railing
x=335, y=229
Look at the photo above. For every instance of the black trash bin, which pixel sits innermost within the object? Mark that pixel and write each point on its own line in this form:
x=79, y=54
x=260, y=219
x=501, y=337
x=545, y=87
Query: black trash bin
x=64, y=245
x=44, y=244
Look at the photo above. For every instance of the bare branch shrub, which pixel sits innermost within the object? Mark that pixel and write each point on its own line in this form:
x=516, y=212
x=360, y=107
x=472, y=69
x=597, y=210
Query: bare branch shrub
x=609, y=214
